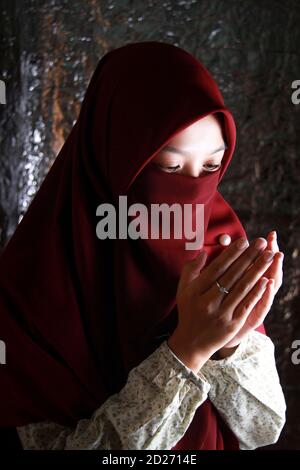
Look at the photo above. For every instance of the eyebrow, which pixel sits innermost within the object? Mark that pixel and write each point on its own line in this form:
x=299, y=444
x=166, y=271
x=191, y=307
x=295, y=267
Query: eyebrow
x=181, y=152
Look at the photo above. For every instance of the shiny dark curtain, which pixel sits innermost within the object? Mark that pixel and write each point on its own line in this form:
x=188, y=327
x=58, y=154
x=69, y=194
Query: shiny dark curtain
x=49, y=50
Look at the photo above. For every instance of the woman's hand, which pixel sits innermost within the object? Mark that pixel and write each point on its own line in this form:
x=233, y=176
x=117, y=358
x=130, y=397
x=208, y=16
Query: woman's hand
x=207, y=318
x=256, y=317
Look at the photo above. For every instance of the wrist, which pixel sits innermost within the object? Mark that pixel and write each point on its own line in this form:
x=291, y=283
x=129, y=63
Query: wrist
x=225, y=352
x=192, y=359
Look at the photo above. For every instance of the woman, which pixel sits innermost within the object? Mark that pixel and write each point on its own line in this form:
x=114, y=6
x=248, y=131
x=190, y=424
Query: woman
x=132, y=343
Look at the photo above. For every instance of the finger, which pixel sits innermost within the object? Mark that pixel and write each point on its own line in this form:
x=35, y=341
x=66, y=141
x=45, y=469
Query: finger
x=275, y=270
x=248, y=303
x=238, y=268
x=263, y=306
x=272, y=239
x=221, y=263
x=272, y=242
x=191, y=269
x=247, y=281
x=279, y=274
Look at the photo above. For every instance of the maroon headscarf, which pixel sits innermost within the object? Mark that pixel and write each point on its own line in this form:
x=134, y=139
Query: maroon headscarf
x=78, y=313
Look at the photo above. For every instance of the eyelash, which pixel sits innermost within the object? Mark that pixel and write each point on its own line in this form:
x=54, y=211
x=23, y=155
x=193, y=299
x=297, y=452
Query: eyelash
x=173, y=168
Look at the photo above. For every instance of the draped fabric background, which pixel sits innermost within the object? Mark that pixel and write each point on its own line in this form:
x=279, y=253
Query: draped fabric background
x=48, y=51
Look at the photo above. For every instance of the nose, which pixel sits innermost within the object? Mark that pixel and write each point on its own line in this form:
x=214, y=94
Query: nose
x=192, y=168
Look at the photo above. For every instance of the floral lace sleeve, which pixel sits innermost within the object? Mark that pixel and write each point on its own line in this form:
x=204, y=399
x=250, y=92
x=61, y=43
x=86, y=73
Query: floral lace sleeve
x=152, y=411
x=246, y=390
x=157, y=404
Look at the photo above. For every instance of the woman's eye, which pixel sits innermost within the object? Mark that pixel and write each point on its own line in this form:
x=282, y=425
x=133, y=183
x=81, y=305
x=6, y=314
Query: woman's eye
x=209, y=167
x=172, y=169
x=169, y=168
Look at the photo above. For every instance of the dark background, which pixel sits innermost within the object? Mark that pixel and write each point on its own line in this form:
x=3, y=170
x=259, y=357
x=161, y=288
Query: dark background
x=49, y=50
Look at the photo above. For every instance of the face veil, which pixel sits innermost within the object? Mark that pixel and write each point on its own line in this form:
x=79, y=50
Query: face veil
x=78, y=313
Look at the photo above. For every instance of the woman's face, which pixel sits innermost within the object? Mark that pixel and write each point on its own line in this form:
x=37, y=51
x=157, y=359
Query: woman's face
x=198, y=148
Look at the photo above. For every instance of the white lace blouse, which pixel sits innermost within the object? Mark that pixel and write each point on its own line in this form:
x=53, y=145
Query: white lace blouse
x=155, y=407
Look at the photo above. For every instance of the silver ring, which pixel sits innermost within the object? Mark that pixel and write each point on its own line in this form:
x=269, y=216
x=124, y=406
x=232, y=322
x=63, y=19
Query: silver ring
x=222, y=289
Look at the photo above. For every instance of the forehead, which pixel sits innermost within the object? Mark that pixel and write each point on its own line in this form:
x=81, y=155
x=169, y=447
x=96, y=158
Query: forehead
x=203, y=131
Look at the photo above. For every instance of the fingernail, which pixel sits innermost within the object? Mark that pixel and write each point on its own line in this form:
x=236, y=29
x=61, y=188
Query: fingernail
x=260, y=243
x=268, y=255
x=263, y=282
x=274, y=233
x=242, y=243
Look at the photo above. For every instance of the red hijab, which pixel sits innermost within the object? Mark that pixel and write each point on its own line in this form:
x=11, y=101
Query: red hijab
x=78, y=313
